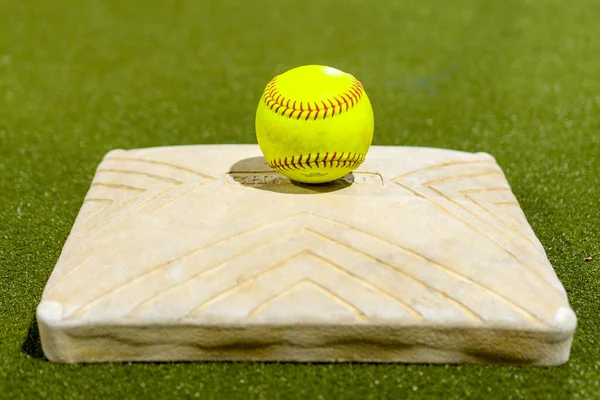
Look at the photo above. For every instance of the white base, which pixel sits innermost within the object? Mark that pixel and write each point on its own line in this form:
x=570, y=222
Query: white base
x=205, y=253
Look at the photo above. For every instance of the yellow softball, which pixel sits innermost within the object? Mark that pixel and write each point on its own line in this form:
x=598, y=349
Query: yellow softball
x=314, y=123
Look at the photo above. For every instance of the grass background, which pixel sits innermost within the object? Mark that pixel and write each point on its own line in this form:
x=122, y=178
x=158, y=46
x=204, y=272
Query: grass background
x=517, y=79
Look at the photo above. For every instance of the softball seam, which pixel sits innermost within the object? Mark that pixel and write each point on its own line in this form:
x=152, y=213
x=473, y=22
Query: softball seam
x=286, y=107
x=306, y=161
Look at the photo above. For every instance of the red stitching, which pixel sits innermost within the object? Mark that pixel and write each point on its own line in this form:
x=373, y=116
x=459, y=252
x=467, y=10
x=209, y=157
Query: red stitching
x=272, y=98
x=309, y=111
x=350, y=160
x=341, y=104
x=348, y=99
x=332, y=107
x=351, y=93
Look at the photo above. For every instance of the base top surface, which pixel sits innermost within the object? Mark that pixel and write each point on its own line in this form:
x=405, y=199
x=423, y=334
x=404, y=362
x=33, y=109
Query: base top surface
x=212, y=237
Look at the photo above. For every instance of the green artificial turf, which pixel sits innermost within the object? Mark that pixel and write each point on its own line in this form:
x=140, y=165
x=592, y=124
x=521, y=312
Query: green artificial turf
x=517, y=79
